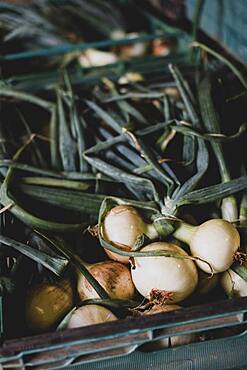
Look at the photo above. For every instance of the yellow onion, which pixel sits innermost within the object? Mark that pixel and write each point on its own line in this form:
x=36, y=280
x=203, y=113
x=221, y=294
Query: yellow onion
x=122, y=226
x=113, y=276
x=215, y=241
x=177, y=276
x=89, y=315
x=47, y=303
x=233, y=284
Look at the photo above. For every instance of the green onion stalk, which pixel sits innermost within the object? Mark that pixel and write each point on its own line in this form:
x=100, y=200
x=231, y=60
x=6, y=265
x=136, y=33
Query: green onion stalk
x=229, y=206
x=125, y=228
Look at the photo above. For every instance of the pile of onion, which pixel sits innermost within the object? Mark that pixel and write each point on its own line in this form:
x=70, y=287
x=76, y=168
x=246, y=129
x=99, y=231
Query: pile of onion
x=213, y=246
x=122, y=226
x=214, y=242
x=167, y=269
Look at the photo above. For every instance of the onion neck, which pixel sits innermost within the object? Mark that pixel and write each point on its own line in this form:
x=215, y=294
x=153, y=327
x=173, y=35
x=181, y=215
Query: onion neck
x=229, y=209
x=184, y=232
x=151, y=232
x=86, y=264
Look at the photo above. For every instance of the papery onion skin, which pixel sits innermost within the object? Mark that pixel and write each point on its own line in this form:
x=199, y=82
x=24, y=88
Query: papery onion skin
x=178, y=276
x=90, y=315
x=47, y=303
x=113, y=276
x=215, y=241
x=233, y=284
x=121, y=227
x=159, y=308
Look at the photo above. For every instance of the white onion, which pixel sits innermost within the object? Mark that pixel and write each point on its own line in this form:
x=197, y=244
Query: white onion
x=169, y=274
x=134, y=50
x=94, y=58
x=122, y=226
x=118, y=34
x=233, y=284
x=130, y=77
x=113, y=276
x=215, y=241
x=229, y=209
x=90, y=315
x=161, y=47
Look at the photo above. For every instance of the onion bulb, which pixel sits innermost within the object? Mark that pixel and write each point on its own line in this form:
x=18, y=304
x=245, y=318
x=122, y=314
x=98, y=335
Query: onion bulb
x=90, y=315
x=122, y=226
x=206, y=282
x=162, y=47
x=96, y=58
x=130, y=77
x=137, y=49
x=177, y=276
x=113, y=276
x=215, y=241
x=233, y=284
x=47, y=303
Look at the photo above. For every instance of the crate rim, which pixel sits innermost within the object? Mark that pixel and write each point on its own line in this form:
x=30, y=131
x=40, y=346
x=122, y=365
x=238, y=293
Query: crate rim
x=52, y=340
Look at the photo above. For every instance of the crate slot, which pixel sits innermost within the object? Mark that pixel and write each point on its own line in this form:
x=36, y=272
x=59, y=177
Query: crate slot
x=99, y=348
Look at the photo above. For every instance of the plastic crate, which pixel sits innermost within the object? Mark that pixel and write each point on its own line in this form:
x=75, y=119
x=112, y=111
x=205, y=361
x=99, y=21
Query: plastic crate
x=224, y=21
x=117, y=345
x=110, y=342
